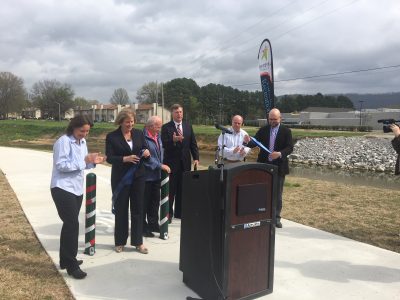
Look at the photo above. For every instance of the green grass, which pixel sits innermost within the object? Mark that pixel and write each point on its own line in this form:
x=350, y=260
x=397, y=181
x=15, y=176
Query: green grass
x=28, y=130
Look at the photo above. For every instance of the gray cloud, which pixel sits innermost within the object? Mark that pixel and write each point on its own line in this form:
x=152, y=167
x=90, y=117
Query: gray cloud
x=100, y=46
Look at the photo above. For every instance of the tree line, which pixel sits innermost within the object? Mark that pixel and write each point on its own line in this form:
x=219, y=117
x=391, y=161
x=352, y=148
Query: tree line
x=218, y=103
x=203, y=105
x=52, y=97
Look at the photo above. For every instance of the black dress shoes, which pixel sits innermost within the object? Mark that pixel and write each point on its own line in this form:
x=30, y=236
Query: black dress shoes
x=278, y=224
x=155, y=229
x=148, y=234
x=79, y=261
x=77, y=274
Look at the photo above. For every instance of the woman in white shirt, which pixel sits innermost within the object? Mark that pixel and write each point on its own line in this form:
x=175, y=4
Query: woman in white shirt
x=70, y=159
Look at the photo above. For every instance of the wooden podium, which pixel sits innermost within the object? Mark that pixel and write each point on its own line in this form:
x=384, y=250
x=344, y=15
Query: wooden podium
x=228, y=231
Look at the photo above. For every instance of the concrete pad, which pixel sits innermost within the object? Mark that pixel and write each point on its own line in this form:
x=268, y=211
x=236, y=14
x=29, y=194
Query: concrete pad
x=309, y=263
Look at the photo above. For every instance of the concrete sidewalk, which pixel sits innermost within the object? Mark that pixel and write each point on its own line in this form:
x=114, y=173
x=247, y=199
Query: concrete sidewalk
x=309, y=263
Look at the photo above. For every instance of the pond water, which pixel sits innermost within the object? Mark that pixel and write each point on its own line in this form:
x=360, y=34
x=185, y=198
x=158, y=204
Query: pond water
x=380, y=180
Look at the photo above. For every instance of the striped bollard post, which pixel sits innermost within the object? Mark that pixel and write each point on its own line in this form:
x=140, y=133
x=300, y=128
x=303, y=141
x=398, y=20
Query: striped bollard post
x=90, y=219
x=164, y=205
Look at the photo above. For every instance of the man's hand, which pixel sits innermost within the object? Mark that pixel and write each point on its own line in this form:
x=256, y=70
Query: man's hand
x=236, y=150
x=395, y=129
x=242, y=152
x=177, y=138
x=166, y=168
x=274, y=155
x=246, y=139
x=146, y=153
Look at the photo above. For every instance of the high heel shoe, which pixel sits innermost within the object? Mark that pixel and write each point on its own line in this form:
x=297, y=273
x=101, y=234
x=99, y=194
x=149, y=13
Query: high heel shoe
x=142, y=249
x=119, y=249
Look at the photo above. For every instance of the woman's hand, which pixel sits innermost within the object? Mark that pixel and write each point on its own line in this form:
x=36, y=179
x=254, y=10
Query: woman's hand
x=131, y=159
x=95, y=158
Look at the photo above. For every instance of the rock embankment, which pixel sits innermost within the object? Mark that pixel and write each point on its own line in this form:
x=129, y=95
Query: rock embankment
x=351, y=153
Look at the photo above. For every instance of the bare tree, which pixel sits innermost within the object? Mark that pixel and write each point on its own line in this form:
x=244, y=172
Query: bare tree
x=52, y=97
x=12, y=94
x=149, y=93
x=120, y=96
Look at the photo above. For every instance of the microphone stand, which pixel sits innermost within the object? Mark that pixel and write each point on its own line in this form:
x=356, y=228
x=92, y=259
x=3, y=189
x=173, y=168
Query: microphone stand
x=221, y=158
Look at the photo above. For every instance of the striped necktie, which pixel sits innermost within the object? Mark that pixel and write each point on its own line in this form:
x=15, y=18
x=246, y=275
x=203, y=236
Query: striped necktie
x=178, y=128
x=272, y=138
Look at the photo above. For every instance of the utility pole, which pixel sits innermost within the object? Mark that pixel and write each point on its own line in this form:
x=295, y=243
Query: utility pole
x=59, y=111
x=361, y=104
x=162, y=102
x=156, y=92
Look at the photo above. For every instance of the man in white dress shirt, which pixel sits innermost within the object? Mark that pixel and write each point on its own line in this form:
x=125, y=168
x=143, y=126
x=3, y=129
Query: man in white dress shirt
x=233, y=150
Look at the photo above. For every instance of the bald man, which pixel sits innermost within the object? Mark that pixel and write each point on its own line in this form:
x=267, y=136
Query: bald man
x=278, y=139
x=234, y=151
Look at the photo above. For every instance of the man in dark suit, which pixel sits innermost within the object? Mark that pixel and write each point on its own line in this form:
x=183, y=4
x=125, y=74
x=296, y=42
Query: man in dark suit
x=179, y=144
x=278, y=139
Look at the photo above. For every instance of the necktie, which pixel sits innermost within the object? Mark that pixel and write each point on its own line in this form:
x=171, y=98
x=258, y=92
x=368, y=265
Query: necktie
x=272, y=138
x=178, y=128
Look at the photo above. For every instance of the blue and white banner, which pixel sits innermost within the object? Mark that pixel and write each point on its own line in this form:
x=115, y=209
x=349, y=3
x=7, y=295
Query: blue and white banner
x=266, y=74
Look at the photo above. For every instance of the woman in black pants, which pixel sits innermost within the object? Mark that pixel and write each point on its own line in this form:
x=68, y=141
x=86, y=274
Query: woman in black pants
x=70, y=159
x=125, y=148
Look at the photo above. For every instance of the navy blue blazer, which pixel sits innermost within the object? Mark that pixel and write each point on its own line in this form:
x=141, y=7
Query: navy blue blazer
x=177, y=154
x=153, y=164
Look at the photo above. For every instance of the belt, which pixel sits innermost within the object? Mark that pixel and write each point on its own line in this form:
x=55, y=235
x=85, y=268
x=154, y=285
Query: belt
x=232, y=160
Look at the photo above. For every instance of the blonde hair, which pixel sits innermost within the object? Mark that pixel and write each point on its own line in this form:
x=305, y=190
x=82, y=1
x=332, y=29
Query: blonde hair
x=123, y=114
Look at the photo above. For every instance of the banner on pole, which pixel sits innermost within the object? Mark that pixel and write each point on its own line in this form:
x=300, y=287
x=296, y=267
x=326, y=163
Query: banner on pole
x=266, y=74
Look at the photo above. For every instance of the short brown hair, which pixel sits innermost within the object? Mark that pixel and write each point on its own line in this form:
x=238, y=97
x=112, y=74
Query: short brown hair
x=78, y=122
x=123, y=114
x=176, y=106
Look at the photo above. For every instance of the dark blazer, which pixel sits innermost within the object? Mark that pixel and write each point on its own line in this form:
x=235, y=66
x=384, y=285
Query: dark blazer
x=283, y=144
x=117, y=148
x=179, y=153
x=396, y=146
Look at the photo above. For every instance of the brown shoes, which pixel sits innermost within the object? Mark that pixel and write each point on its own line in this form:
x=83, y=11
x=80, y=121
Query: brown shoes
x=142, y=249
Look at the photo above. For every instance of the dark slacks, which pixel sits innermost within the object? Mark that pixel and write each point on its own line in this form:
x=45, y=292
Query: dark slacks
x=175, y=193
x=129, y=199
x=68, y=206
x=281, y=181
x=151, y=206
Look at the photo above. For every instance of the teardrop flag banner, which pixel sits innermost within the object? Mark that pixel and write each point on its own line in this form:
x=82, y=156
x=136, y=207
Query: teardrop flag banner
x=266, y=74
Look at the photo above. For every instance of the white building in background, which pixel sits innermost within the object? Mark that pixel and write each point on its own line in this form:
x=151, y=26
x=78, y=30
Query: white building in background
x=334, y=117
x=31, y=113
x=109, y=112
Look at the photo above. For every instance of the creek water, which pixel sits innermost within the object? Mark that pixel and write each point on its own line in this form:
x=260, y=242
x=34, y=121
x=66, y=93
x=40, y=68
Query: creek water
x=374, y=179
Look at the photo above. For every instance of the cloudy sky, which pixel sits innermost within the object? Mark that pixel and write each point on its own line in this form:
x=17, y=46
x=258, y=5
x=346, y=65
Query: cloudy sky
x=97, y=46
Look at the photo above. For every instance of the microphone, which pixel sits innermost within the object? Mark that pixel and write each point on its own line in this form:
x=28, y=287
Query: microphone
x=224, y=129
